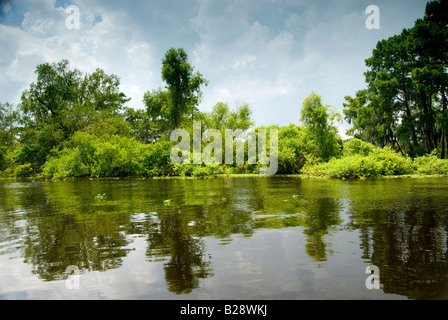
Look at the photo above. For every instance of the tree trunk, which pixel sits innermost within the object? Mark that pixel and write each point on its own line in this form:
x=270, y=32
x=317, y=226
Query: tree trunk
x=414, y=143
x=395, y=141
x=428, y=123
x=444, y=142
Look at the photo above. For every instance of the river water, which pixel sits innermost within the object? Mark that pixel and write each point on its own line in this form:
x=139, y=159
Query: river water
x=224, y=238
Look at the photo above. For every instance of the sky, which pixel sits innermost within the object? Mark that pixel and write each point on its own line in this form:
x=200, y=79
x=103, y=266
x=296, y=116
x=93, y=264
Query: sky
x=270, y=54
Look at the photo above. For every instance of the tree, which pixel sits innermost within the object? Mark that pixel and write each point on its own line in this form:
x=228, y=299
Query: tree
x=222, y=117
x=184, y=86
x=8, y=133
x=429, y=41
x=159, y=106
x=61, y=102
x=405, y=103
x=101, y=92
x=54, y=92
x=140, y=125
x=390, y=67
x=360, y=112
x=319, y=121
x=292, y=149
x=8, y=125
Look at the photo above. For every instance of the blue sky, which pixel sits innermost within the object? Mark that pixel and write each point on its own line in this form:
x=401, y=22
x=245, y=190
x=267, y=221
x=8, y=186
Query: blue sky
x=268, y=53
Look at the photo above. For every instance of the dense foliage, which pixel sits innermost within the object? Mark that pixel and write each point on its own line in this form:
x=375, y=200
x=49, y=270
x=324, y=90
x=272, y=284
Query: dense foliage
x=405, y=102
x=70, y=124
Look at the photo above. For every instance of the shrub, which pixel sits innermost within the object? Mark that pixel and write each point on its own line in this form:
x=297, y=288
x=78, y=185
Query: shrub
x=183, y=169
x=293, y=144
x=24, y=170
x=356, y=146
x=430, y=164
x=362, y=160
x=349, y=167
x=287, y=161
x=392, y=163
x=156, y=159
x=68, y=163
x=88, y=155
x=244, y=168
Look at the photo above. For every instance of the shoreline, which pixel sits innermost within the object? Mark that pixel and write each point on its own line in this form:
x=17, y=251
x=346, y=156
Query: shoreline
x=222, y=176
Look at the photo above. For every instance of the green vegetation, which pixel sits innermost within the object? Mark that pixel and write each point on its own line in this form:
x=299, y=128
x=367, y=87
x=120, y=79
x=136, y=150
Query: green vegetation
x=363, y=160
x=70, y=125
x=405, y=102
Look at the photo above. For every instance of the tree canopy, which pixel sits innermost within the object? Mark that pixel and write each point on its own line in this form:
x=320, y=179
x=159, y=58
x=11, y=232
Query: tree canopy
x=183, y=84
x=63, y=101
x=405, y=102
x=320, y=123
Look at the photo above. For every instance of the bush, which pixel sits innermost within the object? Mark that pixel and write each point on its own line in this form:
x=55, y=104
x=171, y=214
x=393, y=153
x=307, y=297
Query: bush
x=183, y=170
x=157, y=160
x=431, y=165
x=392, y=163
x=292, y=147
x=208, y=170
x=117, y=157
x=88, y=155
x=110, y=155
x=287, y=161
x=68, y=163
x=349, y=167
x=244, y=168
x=362, y=160
x=356, y=146
x=24, y=170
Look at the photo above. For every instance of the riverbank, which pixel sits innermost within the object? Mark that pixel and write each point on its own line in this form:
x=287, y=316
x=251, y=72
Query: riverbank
x=359, y=160
x=222, y=176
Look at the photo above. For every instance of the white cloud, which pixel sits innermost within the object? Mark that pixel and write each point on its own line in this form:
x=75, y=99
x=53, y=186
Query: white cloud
x=38, y=27
x=243, y=62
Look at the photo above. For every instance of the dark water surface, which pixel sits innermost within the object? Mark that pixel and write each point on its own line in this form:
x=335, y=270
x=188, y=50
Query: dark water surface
x=225, y=238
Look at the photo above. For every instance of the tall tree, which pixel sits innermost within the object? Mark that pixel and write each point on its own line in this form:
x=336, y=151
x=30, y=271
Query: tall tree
x=429, y=41
x=388, y=78
x=183, y=84
x=319, y=121
x=407, y=88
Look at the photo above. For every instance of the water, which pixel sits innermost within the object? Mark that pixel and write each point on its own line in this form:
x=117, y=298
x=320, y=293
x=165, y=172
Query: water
x=225, y=238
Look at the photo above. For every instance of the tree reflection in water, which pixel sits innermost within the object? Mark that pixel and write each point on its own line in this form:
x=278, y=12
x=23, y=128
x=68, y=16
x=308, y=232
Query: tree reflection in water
x=402, y=224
